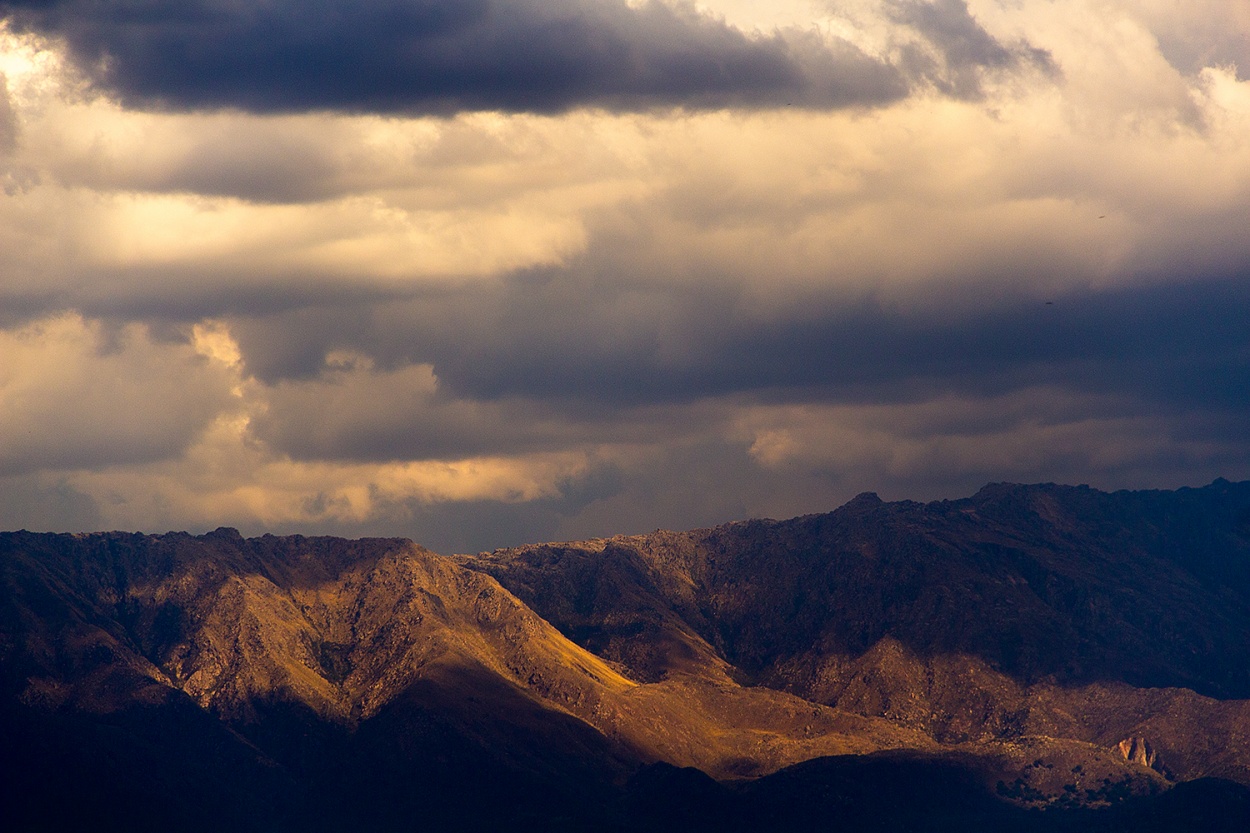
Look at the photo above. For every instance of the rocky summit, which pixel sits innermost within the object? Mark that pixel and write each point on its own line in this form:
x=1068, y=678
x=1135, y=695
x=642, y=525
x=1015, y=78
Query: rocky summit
x=1030, y=658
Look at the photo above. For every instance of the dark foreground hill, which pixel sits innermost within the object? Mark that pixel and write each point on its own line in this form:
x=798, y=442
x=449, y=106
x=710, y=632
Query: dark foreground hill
x=1031, y=658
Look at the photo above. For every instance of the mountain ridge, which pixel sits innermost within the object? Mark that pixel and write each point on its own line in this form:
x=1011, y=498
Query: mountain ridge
x=1034, y=553
x=1018, y=635
x=1019, y=610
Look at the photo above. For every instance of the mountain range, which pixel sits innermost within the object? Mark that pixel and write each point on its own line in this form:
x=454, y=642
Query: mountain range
x=1033, y=658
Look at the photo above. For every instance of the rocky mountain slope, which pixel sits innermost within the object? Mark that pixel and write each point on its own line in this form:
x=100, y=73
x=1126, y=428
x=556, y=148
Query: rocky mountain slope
x=1030, y=647
x=1021, y=612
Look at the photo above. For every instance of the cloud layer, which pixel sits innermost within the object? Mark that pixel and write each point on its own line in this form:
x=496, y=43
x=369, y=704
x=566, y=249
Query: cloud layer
x=381, y=270
x=435, y=56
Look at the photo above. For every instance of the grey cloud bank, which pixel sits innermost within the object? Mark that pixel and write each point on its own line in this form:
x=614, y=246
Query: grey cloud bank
x=444, y=56
x=599, y=357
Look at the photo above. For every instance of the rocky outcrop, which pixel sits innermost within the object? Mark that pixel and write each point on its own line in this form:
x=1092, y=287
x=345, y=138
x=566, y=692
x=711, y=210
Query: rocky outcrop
x=1137, y=750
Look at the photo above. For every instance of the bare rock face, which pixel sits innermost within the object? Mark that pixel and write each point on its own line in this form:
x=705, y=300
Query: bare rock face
x=1137, y=750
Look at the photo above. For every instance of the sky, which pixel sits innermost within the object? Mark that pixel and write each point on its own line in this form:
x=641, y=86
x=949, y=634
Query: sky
x=486, y=272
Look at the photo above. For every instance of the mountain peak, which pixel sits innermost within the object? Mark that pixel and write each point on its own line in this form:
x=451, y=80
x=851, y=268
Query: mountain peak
x=863, y=500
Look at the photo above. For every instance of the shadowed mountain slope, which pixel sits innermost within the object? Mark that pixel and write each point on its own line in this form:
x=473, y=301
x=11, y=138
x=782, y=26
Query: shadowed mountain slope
x=1023, y=610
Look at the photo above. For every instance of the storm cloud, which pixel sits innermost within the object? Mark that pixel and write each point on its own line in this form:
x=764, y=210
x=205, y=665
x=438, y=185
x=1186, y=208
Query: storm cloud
x=492, y=371
x=444, y=56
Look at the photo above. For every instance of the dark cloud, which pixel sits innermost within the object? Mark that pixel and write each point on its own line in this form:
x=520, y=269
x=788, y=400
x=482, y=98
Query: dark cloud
x=445, y=56
x=157, y=293
x=524, y=365
x=379, y=417
x=586, y=339
x=53, y=507
x=957, y=52
x=1202, y=33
